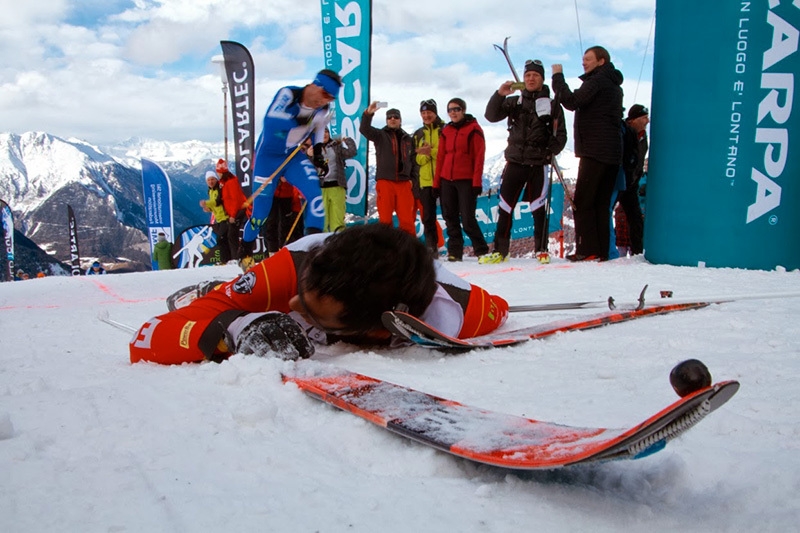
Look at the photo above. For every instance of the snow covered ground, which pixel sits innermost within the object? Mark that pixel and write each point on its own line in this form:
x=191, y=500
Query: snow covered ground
x=89, y=442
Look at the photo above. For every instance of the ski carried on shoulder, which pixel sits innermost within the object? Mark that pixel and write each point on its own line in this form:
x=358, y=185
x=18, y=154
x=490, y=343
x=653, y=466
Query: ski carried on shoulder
x=420, y=333
x=499, y=439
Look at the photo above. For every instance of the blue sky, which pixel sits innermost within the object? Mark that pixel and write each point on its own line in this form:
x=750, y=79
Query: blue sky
x=107, y=70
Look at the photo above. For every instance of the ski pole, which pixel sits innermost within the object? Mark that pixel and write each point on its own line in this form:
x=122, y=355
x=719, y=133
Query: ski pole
x=296, y=220
x=251, y=199
x=247, y=203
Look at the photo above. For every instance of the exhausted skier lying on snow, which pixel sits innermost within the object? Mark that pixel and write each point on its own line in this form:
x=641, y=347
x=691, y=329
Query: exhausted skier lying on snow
x=326, y=287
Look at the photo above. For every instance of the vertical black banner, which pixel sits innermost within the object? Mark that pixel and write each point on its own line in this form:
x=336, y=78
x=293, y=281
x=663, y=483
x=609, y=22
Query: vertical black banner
x=241, y=81
x=74, y=249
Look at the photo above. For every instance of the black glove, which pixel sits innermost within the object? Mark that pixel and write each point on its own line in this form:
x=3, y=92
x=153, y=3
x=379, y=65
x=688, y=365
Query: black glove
x=436, y=192
x=274, y=332
x=476, y=191
x=319, y=160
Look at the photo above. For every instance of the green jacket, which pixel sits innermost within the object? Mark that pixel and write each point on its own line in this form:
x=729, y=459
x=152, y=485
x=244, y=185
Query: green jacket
x=214, y=203
x=162, y=254
x=427, y=164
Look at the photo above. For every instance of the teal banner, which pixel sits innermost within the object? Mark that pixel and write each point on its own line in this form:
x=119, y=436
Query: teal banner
x=724, y=169
x=347, y=47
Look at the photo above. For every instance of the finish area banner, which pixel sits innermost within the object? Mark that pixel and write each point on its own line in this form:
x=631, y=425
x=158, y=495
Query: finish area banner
x=241, y=79
x=157, y=193
x=347, y=47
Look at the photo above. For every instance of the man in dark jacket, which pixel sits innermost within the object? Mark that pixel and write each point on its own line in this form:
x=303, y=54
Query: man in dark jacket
x=598, y=111
x=633, y=165
x=531, y=145
x=394, y=152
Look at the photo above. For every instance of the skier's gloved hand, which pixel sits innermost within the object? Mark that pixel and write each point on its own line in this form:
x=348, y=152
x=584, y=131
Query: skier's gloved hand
x=319, y=160
x=271, y=333
x=476, y=191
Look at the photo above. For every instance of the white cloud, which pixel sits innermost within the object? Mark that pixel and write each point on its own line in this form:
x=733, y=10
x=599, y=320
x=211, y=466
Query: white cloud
x=145, y=70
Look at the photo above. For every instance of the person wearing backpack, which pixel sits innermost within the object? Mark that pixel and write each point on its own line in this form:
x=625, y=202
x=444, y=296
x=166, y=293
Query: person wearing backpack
x=634, y=151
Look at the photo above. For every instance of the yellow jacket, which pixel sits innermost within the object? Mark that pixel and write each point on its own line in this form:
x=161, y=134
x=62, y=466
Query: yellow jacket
x=427, y=163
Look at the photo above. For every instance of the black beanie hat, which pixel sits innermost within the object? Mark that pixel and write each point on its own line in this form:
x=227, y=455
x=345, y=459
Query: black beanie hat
x=534, y=65
x=428, y=105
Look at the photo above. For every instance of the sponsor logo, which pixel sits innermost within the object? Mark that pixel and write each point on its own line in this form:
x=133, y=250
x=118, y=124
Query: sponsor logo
x=245, y=284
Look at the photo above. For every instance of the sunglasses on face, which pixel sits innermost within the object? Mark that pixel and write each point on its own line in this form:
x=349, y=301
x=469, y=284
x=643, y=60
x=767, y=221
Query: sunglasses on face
x=392, y=117
x=455, y=109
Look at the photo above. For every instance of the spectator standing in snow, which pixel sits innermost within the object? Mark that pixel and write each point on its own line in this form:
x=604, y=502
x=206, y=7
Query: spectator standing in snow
x=333, y=179
x=426, y=144
x=531, y=145
x=458, y=179
x=162, y=252
x=333, y=286
x=394, y=154
x=233, y=200
x=598, y=109
x=633, y=165
x=213, y=204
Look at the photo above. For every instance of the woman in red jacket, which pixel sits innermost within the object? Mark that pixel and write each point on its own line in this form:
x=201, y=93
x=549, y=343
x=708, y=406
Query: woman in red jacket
x=458, y=180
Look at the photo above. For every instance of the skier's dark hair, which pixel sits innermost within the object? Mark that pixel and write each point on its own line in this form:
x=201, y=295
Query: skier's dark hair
x=371, y=269
x=599, y=53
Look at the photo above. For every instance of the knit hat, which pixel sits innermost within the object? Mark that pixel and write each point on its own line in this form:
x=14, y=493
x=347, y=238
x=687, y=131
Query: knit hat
x=393, y=113
x=428, y=105
x=222, y=166
x=534, y=65
x=636, y=111
x=211, y=174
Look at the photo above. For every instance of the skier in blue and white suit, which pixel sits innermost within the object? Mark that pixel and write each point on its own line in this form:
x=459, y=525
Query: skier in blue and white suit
x=294, y=114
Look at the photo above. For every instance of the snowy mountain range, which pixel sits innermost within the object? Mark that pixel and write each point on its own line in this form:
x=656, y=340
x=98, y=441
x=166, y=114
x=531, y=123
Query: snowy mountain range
x=40, y=174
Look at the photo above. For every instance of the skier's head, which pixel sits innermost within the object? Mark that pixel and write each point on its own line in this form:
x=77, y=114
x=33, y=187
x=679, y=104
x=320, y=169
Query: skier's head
x=456, y=109
x=595, y=56
x=322, y=90
x=347, y=282
x=534, y=75
x=393, y=119
x=428, y=111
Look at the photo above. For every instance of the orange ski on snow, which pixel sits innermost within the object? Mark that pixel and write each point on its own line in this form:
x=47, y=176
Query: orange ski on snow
x=495, y=438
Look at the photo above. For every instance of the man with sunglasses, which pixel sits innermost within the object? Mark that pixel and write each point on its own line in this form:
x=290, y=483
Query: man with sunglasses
x=295, y=114
x=532, y=143
x=394, y=161
x=327, y=287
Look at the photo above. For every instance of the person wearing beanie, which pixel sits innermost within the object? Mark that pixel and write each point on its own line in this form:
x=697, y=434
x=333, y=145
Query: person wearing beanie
x=532, y=143
x=458, y=179
x=295, y=114
x=219, y=217
x=633, y=155
x=394, y=155
x=426, y=144
x=233, y=199
x=597, y=104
